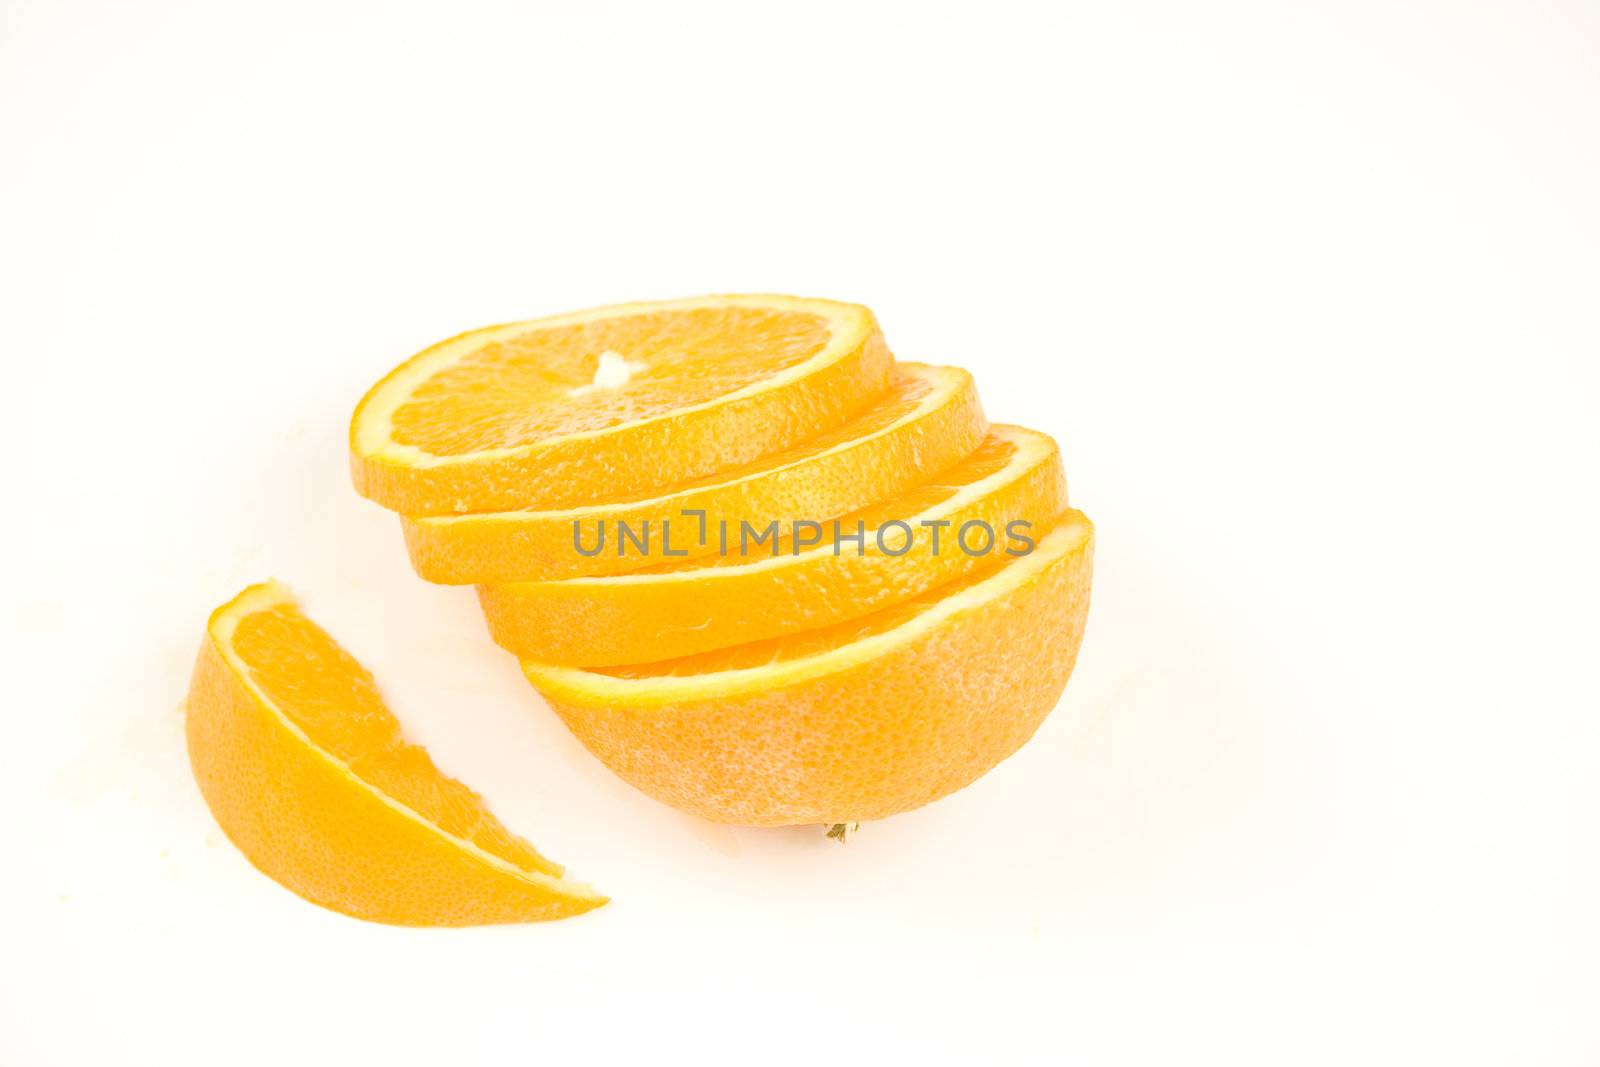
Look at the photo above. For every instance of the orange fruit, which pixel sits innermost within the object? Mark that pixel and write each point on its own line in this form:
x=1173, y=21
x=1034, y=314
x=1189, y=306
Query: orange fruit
x=677, y=609
x=928, y=418
x=853, y=721
x=601, y=404
x=306, y=772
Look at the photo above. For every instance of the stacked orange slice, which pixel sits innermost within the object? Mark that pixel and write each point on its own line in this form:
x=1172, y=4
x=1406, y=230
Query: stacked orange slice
x=909, y=607
x=618, y=400
x=853, y=721
x=925, y=420
x=675, y=609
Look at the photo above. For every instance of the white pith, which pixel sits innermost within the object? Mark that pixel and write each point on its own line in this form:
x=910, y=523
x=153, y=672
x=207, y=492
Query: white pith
x=612, y=370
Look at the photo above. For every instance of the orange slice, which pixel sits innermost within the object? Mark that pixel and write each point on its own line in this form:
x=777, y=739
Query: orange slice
x=601, y=404
x=938, y=531
x=928, y=418
x=306, y=772
x=849, y=722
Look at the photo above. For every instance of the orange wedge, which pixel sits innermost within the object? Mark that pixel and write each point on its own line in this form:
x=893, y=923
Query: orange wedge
x=677, y=609
x=614, y=401
x=306, y=772
x=849, y=722
x=928, y=418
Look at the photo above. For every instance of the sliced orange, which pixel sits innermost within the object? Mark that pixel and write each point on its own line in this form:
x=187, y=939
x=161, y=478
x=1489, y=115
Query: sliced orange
x=928, y=418
x=854, y=721
x=306, y=772
x=938, y=531
x=614, y=401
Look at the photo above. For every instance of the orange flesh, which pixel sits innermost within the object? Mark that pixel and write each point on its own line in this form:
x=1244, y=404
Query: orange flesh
x=325, y=692
x=904, y=393
x=537, y=385
x=988, y=458
x=812, y=642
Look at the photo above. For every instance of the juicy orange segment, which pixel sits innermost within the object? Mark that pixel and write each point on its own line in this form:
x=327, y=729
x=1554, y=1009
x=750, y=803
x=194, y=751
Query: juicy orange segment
x=613, y=401
x=926, y=420
x=850, y=722
x=307, y=773
x=676, y=609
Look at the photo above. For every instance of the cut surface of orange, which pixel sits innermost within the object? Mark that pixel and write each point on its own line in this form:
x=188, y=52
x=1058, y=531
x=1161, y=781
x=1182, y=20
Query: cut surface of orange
x=850, y=722
x=926, y=420
x=305, y=769
x=945, y=528
x=613, y=401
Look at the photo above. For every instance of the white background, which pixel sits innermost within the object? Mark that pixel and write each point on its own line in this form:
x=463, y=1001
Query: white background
x=1308, y=293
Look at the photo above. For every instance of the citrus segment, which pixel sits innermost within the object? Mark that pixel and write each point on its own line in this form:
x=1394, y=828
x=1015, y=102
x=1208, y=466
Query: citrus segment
x=931, y=534
x=926, y=420
x=307, y=773
x=850, y=722
x=609, y=402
